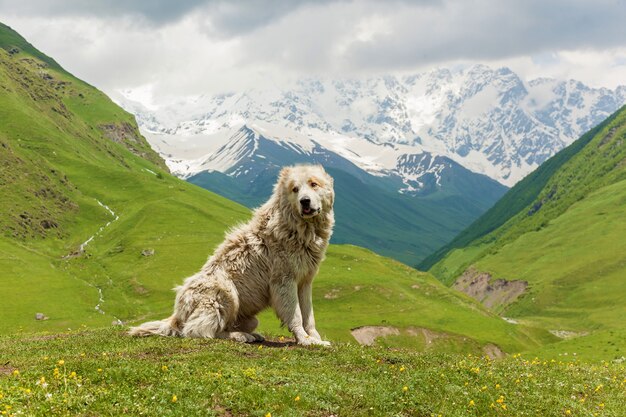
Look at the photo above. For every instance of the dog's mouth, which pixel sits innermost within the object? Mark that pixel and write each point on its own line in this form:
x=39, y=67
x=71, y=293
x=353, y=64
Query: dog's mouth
x=309, y=211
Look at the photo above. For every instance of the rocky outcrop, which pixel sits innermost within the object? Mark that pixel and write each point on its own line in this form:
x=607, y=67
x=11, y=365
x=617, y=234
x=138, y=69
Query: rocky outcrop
x=493, y=294
x=128, y=136
x=367, y=335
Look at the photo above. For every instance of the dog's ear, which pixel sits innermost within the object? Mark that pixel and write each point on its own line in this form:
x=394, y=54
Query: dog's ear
x=329, y=179
x=284, y=173
x=331, y=189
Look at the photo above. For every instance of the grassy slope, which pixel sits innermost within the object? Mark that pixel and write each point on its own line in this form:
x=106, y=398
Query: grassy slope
x=514, y=201
x=57, y=164
x=568, y=243
x=108, y=373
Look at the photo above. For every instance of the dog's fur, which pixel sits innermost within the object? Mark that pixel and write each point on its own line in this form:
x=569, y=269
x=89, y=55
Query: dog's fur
x=269, y=261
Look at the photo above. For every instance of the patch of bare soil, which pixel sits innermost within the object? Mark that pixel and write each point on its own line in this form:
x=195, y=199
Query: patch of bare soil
x=6, y=369
x=493, y=352
x=428, y=335
x=491, y=293
x=366, y=335
x=567, y=334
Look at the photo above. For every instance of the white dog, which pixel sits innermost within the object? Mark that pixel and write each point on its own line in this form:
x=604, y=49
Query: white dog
x=270, y=261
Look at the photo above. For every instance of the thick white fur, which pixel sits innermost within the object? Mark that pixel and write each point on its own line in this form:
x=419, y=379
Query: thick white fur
x=269, y=261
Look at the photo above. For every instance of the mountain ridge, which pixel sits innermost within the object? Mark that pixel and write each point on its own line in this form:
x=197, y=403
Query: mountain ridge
x=488, y=120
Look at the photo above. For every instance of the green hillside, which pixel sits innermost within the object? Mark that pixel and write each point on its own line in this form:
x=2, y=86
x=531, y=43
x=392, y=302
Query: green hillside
x=567, y=243
x=106, y=373
x=94, y=230
x=513, y=202
x=66, y=151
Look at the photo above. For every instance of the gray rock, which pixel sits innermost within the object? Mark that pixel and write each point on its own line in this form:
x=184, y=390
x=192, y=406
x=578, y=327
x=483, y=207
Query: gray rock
x=40, y=316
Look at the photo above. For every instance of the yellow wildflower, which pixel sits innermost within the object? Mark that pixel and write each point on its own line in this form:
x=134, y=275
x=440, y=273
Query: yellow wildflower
x=601, y=405
x=497, y=386
x=268, y=415
x=164, y=368
x=503, y=406
x=500, y=400
x=402, y=368
x=599, y=387
x=16, y=372
x=568, y=412
x=471, y=403
x=405, y=388
x=99, y=369
x=61, y=362
x=297, y=398
x=484, y=388
x=72, y=375
x=174, y=398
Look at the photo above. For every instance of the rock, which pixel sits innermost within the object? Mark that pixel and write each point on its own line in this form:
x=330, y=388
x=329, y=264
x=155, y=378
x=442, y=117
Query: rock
x=493, y=294
x=40, y=316
x=147, y=252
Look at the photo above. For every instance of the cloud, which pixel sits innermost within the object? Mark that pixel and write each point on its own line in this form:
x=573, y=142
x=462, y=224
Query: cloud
x=155, y=11
x=204, y=46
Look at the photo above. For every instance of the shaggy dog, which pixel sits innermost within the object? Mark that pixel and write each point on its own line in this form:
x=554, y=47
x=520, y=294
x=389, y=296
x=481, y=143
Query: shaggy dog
x=269, y=261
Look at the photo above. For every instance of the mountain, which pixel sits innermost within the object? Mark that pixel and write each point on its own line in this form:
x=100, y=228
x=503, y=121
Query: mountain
x=94, y=230
x=369, y=210
x=414, y=154
x=552, y=252
x=488, y=120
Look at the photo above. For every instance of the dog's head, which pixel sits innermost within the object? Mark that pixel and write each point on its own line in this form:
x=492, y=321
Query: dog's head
x=308, y=189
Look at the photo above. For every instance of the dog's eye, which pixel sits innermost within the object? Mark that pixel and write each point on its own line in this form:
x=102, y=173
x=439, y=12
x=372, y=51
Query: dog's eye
x=314, y=185
x=295, y=189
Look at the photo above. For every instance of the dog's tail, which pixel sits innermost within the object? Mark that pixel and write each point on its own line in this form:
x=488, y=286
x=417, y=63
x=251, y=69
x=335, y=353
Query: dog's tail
x=166, y=327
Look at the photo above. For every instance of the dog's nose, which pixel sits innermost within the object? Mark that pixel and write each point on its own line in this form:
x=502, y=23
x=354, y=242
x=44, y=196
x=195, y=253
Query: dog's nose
x=306, y=202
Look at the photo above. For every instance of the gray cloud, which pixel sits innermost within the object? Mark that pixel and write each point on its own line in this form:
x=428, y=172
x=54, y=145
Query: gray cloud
x=422, y=34
x=155, y=11
x=195, y=46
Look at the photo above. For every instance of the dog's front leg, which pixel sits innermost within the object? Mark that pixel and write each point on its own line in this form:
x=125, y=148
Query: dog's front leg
x=305, y=297
x=285, y=301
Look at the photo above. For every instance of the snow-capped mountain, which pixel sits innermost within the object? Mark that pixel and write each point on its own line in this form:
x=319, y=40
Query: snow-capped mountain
x=416, y=159
x=487, y=120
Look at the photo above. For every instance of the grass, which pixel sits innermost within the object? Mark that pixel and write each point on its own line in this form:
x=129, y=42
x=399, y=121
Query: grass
x=108, y=373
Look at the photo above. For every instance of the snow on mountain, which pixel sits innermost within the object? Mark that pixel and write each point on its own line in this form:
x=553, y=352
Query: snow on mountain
x=487, y=120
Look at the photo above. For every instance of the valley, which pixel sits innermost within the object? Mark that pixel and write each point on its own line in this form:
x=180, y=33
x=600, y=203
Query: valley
x=96, y=231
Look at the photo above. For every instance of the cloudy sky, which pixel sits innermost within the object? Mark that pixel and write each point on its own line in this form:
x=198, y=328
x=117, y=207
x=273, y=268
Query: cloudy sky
x=188, y=47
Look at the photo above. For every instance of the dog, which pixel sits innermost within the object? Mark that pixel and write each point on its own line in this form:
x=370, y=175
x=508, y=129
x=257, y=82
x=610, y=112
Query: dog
x=268, y=262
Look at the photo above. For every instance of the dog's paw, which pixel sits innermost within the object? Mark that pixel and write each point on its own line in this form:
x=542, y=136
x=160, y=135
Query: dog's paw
x=309, y=341
x=243, y=337
x=258, y=337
